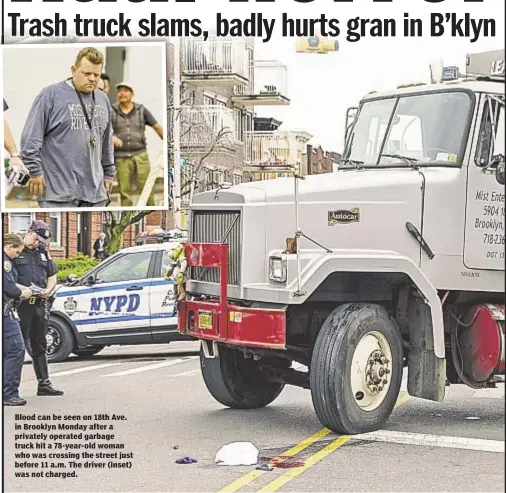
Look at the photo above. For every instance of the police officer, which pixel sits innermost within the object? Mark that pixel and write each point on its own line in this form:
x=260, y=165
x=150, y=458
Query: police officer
x=35, y=266
x=13, y=345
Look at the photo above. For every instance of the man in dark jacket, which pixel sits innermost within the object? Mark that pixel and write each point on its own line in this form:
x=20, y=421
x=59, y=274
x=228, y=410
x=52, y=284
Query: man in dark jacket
x=129, y=122
x=99, y=247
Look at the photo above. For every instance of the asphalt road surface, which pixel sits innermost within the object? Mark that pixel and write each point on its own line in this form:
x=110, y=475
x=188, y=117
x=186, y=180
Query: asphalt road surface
x=457, y=445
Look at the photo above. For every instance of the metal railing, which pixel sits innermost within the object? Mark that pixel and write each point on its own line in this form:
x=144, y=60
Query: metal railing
x=204, y=125
x=218, y=57
x=273, y=148
x=266, y=78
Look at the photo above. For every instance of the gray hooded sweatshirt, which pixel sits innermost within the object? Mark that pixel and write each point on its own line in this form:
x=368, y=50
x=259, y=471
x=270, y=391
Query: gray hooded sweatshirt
x=56, y=143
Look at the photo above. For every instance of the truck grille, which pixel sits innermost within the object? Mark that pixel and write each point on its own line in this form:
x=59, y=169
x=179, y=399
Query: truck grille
x=217, y=227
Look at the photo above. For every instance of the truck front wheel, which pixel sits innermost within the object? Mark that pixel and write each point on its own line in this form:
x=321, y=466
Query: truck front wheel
x=237, y=382
x=356, y=369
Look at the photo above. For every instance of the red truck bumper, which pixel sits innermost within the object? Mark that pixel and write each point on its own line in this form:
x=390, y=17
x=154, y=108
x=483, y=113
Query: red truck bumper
x=217, y=320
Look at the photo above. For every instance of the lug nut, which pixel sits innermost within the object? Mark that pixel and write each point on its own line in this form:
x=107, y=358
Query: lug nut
x=380, y=388
x=374, y=389
x=385, y=381
x=387, y=371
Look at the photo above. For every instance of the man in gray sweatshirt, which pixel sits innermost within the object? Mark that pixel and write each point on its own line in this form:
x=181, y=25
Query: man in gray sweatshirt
x=66, y=142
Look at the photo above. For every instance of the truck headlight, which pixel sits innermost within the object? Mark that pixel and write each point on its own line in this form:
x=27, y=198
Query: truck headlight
x=277, y=269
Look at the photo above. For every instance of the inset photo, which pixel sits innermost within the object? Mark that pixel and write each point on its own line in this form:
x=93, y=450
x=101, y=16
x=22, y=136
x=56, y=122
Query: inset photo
x=85, y=126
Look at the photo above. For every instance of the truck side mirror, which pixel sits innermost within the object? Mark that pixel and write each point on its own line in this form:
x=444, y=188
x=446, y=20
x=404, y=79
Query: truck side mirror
x=71, y=278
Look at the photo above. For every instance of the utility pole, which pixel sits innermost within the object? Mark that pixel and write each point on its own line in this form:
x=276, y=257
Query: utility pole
x=176, y=122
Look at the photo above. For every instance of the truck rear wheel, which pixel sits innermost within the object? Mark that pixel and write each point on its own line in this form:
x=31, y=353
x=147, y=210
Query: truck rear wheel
x=356, y=369
x=237, y=382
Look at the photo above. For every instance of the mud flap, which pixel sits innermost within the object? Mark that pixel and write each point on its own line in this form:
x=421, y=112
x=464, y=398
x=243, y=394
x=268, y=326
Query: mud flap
x=426, y=372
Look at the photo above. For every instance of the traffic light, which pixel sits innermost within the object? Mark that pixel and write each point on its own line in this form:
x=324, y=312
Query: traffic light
x=316, y=44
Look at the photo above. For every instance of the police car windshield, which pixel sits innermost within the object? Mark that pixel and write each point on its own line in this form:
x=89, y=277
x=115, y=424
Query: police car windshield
x=399, y=131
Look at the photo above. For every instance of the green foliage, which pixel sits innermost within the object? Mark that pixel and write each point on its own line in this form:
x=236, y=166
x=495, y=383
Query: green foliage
x=78, y=264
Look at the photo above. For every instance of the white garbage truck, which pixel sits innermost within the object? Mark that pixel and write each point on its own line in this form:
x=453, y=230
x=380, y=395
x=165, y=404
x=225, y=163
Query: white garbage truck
x=393, y=262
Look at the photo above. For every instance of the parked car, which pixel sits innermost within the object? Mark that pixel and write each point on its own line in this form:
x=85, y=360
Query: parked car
x=123, y=300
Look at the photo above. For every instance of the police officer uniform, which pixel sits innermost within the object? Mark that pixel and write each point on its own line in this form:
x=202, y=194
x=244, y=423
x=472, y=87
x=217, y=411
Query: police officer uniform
x=13, y=345
x=35, y=266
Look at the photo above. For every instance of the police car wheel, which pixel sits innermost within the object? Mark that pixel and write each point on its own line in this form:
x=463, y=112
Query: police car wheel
x=59, y=340
x=237, y=382
x=88, y=352
x=356, y=369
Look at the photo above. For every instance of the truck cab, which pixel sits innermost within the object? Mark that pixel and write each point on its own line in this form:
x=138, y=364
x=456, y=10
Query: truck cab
x=396, y=260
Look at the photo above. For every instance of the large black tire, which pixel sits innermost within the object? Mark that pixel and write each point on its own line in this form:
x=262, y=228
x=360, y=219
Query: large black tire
x=88, y=352
x=61, y=341
x=236, y=382
x=331, y=369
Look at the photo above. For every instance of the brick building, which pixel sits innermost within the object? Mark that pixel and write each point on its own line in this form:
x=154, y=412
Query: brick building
x=317, y=161
x=75, y=232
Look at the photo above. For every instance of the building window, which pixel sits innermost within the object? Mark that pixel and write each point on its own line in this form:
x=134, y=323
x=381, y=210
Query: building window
x=19, y=222
x=55, y=225
x=208, y=101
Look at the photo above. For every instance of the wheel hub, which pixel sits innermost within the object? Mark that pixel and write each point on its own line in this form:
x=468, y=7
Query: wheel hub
x=377, y=371
x=52, y=341
x=371, y=371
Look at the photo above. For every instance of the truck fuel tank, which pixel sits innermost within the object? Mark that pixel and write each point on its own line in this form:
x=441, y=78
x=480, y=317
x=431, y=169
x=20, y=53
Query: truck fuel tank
x=480, y=343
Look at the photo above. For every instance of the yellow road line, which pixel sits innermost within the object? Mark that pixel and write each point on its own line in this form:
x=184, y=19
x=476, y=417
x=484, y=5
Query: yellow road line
x=251, y=476
x=318, y=456
x=293, y=473
x=289, y=475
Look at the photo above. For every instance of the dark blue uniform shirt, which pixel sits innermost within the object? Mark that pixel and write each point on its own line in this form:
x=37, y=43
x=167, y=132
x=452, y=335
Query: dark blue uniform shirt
x=11, y=290
x=34, y=265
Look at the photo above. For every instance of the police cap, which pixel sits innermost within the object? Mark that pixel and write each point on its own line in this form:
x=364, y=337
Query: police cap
x=41, y=230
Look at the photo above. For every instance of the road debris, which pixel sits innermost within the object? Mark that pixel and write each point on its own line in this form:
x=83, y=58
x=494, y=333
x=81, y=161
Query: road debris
x=237, y=454
x=186, y=460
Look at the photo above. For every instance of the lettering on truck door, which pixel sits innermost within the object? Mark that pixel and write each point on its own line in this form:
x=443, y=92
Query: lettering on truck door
x=484, y=228
x=162, y=297
x=119, y=298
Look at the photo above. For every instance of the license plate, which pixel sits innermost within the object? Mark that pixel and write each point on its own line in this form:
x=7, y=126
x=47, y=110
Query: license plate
x=205, y=319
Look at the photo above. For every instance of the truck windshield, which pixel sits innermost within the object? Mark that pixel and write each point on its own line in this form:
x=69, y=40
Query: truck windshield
x=400, y=131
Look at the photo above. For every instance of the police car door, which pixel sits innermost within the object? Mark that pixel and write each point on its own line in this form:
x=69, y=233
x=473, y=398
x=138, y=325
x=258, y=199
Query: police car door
x=484, y=229
x=119, y=297
x=162, y=297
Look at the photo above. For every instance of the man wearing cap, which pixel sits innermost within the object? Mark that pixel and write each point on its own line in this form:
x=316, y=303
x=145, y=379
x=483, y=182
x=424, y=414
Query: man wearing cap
x=129, y=120
x=34, y=266
x=66, y=143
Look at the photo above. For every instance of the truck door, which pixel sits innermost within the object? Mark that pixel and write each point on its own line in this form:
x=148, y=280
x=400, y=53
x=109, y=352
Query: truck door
x=484, y=225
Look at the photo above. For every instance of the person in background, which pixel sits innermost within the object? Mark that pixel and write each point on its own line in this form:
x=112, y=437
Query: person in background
x=66, y=143
x=129, y=120
x=99, y=246
x=35, y=266
x=107, y=82
x=13, y=346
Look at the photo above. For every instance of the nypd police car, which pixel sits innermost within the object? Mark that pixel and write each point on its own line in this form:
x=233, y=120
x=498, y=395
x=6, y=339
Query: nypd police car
x=123, y=300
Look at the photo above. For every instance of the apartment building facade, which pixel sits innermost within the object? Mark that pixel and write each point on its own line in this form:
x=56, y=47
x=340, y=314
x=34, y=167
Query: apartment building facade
x=222, y=84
